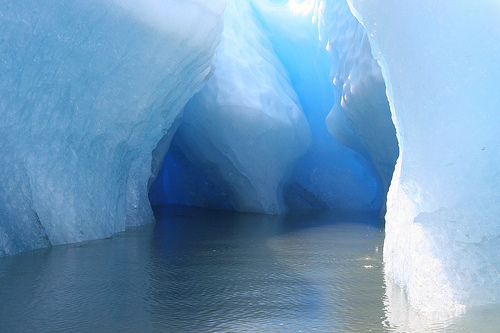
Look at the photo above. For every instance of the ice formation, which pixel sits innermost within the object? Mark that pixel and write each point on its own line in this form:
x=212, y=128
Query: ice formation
x=328, y=175
x=440, y=64
x=295, y=115
x=241, y=133
x=242, y=141
x=360, y=118
x=87, y=90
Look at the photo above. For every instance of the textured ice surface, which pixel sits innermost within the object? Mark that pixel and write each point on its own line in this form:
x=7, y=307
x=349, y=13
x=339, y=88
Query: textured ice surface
x=242, y=132
x=328, y=175
x=440, y=64
x=360, y=118
x=91, y=94
x=87, y=90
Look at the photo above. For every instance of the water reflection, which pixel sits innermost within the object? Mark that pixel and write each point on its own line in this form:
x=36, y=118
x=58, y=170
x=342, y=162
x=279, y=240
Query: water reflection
x=199, y=271
x=93, y=286
x=401, y=317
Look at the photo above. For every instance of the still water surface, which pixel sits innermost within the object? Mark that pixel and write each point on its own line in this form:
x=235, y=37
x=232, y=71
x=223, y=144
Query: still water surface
x=202, y=271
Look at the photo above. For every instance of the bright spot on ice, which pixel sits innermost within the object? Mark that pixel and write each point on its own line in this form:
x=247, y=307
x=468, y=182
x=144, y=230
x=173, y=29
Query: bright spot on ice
x=298, y=7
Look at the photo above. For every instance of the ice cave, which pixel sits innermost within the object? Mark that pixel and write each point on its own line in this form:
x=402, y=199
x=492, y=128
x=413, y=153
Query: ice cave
x=110, y=107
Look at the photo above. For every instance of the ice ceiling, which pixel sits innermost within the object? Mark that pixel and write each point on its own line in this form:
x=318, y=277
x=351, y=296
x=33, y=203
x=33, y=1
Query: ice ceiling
x=259, y=106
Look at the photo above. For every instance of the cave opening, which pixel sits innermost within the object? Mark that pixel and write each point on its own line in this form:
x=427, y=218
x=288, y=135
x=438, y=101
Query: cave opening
x=287, y=121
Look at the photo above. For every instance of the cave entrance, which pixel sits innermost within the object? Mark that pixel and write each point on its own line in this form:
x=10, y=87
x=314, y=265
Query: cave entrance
x=287, y=122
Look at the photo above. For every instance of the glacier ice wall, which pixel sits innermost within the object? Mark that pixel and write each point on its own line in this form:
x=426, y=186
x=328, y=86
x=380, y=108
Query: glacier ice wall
x=440, y=64
x=87, y=91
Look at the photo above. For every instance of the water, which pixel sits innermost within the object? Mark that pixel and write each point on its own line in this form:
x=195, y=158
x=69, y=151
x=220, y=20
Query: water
x=201, y=271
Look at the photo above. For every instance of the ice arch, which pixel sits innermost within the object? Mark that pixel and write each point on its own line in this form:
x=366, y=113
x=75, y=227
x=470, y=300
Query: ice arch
x=244, y=140
x=92, y=92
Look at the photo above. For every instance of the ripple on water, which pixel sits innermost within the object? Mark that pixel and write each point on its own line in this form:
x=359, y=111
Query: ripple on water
x=201, y=271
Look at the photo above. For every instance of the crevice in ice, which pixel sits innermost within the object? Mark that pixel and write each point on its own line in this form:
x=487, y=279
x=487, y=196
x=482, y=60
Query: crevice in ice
x=41, y=229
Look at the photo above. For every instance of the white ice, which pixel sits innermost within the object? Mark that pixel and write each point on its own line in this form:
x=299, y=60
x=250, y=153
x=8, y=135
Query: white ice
x=440, y=64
